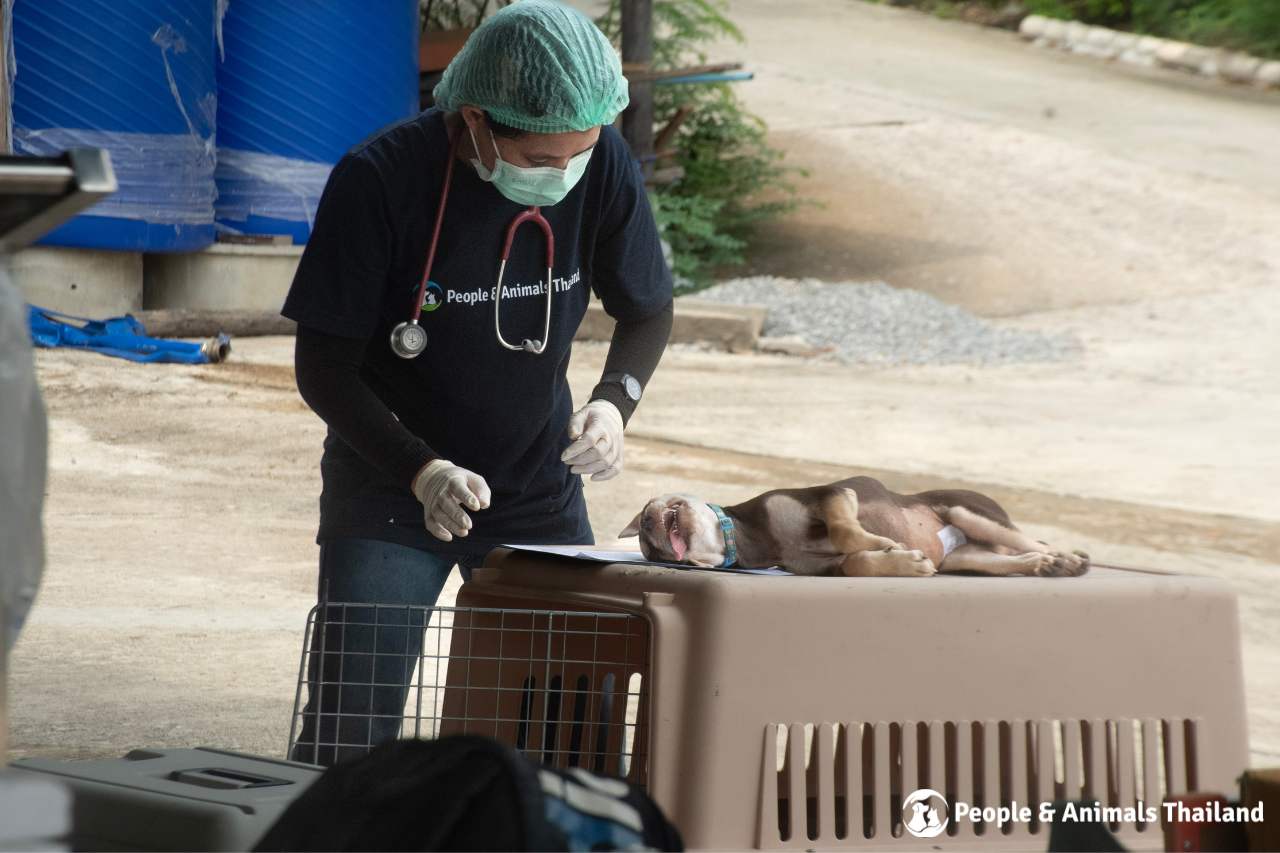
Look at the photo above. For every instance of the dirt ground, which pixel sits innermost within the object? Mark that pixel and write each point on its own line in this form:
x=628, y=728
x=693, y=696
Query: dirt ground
x=182, y=500
x=182, y=506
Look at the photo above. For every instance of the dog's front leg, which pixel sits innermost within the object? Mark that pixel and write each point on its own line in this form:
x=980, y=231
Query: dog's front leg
x=847, y=535
x=888, y=563
x=865, y=553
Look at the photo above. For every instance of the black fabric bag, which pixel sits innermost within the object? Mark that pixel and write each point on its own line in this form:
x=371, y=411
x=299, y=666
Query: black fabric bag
x=466, y=793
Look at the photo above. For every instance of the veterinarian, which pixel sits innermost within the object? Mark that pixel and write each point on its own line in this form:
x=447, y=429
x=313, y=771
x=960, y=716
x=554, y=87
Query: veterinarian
x=432, y=460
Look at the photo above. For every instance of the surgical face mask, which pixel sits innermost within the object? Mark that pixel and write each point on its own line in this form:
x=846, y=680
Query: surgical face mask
x=540, y=186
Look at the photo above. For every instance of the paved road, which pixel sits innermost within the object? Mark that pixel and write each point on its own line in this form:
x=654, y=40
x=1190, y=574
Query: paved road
x=962, y=161
x=825, y=64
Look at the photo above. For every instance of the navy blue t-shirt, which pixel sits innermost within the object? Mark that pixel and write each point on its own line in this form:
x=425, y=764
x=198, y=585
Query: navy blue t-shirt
x=500, y=413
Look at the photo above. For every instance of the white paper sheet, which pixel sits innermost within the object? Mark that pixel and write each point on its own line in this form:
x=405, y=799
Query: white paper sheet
x=600, y=555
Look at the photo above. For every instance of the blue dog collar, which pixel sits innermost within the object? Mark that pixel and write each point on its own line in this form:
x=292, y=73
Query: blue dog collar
x=730, y=543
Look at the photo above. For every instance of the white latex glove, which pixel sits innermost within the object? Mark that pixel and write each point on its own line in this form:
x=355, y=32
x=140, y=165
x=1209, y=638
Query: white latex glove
x=597, y=448
x=444, y=489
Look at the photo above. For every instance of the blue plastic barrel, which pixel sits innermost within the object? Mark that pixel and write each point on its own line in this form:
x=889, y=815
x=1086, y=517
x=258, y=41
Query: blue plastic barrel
x=136, y=77
x=298, y=85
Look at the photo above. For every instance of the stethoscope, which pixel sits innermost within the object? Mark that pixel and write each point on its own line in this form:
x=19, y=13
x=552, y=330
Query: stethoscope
x=408, y=340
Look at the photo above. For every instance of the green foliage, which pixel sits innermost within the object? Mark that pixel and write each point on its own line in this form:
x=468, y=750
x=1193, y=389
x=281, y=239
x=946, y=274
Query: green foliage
x=733, y=179
x=688, y=222
x=1249, y=25
x=1107, y=13
x=456, y=14
x=680, y=29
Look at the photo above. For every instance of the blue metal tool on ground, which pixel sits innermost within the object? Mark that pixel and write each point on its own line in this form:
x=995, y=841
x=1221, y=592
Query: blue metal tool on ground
x=120, y=337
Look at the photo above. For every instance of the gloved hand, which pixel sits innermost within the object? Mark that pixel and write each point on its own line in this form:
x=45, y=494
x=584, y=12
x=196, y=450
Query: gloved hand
x=444, y=489
x=597, y=448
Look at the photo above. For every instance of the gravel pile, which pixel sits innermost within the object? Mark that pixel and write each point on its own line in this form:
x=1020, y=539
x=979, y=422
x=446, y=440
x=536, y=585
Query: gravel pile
x=873, y=323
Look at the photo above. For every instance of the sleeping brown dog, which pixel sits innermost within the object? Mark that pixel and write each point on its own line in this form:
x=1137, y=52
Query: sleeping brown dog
x=854, y=527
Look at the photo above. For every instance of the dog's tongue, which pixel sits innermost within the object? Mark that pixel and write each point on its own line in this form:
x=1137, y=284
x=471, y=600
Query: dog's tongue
x=678, y=545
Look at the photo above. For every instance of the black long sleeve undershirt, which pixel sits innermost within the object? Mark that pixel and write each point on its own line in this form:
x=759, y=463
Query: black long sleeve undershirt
x=328, y=376
x=635, y=348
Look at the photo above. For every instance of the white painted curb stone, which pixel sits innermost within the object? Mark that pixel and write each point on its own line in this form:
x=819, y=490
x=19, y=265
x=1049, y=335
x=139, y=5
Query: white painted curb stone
x=1149, y=51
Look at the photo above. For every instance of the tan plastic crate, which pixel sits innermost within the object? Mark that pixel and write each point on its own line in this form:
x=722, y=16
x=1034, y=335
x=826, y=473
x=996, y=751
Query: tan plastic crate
x=720, y=688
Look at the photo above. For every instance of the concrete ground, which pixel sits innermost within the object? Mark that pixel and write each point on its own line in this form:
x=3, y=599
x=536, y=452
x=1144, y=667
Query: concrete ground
x=1141, y=216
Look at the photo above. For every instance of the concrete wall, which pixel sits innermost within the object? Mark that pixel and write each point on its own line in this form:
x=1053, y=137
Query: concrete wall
x=223, y=277
x=86, y=282
x=92, y=283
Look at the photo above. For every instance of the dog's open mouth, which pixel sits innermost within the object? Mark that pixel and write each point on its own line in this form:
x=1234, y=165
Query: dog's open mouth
x=678, y=538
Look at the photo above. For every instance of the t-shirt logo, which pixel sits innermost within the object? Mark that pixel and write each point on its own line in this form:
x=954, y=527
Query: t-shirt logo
x=433, y=298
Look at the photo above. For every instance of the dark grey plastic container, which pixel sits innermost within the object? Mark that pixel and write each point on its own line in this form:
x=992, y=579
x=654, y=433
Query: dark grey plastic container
x=175, y=799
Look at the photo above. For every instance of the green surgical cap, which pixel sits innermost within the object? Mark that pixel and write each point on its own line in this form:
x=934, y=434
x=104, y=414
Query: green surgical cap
x=540, y=66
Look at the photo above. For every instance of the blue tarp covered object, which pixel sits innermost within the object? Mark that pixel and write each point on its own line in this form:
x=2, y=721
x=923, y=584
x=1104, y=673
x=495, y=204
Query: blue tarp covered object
x=121, y=337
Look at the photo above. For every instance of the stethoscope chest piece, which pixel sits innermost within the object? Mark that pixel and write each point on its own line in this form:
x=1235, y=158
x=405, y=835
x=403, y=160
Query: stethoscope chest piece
x=408, y=340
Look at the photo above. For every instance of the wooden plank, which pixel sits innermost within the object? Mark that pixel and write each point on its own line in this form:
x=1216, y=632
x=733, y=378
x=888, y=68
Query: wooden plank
x=205, y=324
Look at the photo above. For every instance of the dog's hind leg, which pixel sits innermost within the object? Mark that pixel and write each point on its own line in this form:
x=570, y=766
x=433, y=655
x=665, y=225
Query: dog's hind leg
x=982, y=529
x=976, y=558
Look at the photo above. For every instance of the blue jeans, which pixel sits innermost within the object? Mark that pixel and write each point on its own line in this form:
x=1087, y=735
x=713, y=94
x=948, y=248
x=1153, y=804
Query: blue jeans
x=362, y=658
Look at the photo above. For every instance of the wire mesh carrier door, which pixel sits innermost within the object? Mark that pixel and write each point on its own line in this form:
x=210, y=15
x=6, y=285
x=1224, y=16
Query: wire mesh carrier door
x=567, y=688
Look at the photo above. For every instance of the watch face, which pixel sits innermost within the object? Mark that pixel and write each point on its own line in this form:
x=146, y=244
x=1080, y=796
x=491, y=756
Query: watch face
x=632, y=386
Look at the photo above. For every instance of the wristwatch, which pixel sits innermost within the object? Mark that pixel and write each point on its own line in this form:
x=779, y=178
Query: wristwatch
x=630, y=385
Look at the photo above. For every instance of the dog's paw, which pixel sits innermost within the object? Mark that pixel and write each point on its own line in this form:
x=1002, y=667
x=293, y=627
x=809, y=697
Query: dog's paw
x=1036, y=563
x=1081, y=562
x=910, y=564
x=1062, y=565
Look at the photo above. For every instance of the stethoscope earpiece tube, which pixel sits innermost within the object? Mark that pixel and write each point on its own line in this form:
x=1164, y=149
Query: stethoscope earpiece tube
x=409, y=340
x=534, y=215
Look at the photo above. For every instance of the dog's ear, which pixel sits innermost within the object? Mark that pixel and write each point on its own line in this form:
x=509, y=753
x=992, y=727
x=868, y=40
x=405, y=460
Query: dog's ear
x=632, y=529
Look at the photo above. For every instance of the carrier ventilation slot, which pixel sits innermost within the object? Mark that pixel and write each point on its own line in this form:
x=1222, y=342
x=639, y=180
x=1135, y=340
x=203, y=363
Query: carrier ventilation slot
x=845, y=784
x=568, y=689
x=579, y=727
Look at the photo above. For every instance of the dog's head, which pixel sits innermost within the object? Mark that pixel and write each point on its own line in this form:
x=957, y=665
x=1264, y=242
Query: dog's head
x=678, y=529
